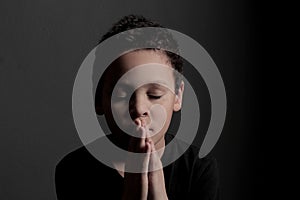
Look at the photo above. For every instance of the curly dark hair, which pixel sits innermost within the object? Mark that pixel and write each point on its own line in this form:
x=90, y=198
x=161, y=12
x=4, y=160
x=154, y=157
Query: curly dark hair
x=160, y=40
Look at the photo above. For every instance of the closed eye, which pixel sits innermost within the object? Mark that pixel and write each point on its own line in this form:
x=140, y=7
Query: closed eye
x=154, y=96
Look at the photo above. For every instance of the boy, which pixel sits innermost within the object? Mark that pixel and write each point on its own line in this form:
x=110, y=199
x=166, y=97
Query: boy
x=150, y=92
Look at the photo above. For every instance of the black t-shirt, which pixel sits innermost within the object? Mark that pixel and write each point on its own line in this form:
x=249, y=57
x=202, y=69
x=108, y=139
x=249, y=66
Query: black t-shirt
x=79, y=175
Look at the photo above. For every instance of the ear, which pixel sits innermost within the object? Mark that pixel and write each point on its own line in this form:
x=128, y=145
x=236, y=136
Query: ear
x=178, y=97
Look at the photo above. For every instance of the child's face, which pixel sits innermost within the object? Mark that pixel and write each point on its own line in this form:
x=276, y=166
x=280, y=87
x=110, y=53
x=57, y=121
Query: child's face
x=151, y=104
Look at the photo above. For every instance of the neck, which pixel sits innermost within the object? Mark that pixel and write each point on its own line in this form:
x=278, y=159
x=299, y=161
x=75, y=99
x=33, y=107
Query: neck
x=160, y=146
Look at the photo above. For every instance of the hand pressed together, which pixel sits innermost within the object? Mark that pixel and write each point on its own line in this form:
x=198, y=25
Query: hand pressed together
x=150, y=183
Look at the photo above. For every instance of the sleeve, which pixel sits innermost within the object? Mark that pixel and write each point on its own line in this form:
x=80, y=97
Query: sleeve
x=76, y=177
x=205, y=179
x=67, y=182
x=62, y=185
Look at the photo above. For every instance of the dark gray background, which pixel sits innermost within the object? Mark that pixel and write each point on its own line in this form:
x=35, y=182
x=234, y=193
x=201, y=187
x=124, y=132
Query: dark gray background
x=42, y=44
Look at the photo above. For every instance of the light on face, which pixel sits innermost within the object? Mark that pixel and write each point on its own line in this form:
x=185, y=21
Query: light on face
x=141, y=89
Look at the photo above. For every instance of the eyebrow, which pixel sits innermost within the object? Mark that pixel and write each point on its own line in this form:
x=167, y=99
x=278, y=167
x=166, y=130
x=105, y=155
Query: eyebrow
x=157, y=84
x=160, y=82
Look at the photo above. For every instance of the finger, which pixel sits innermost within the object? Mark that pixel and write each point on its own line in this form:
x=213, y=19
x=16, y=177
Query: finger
x=148, y=153
x=135, y=141
x=148, y=137
x=138, y=122
x=138, y=144
x=139, y=163
x=155, y=162
x=154, y=154
x=152, y=146
x=132, y=146
x=142, y=140
x=143, y=122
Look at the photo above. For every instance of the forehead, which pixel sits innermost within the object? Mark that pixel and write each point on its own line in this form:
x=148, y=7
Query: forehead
x=129, y=60
x=156, y=68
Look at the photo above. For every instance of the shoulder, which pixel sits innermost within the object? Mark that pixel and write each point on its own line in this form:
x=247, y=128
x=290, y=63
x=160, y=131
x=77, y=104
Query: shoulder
x=74, y=157
x=189, y=153
x=189, y=161
x=192, y=176
x=76, y=173
x=81, y=157
x=79, y=161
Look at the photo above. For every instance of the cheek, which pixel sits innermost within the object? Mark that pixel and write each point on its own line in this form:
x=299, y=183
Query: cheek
x=160, y=115
x=119, y=107
x=169, y=114
x=121, y=113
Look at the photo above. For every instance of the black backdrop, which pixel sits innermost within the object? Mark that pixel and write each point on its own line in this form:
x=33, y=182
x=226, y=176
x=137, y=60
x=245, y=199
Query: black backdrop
x=42, y=44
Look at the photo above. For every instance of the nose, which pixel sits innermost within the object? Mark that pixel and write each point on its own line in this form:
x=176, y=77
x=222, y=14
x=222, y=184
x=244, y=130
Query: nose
x=139, y=106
